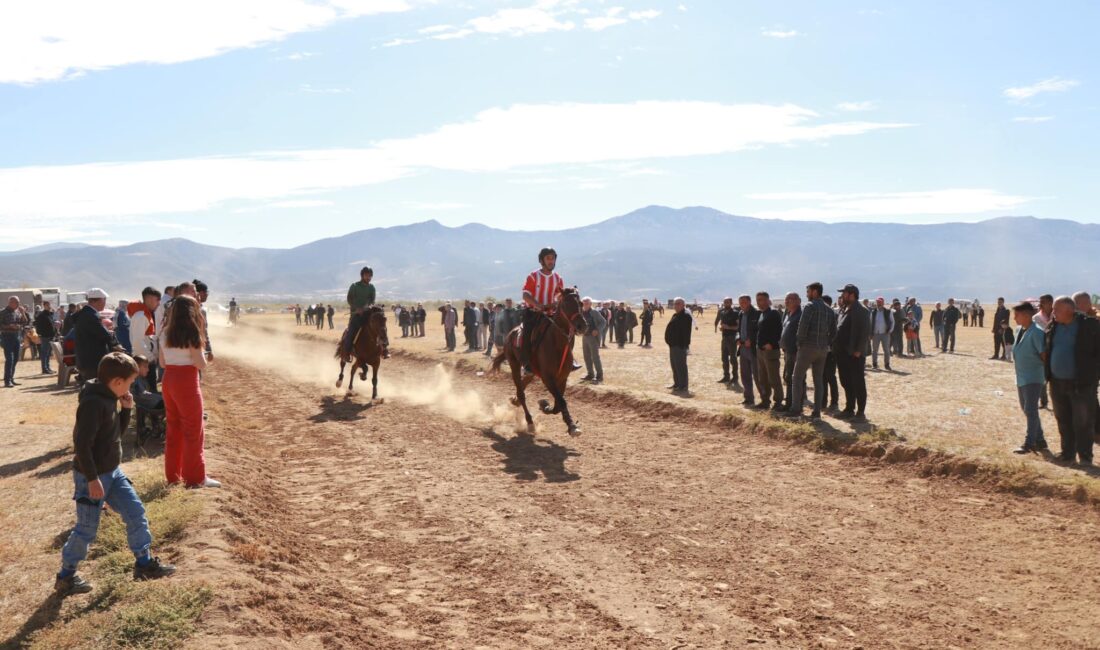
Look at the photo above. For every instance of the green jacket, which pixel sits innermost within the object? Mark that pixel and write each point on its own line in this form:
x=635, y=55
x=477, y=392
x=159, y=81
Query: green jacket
x=360, y=295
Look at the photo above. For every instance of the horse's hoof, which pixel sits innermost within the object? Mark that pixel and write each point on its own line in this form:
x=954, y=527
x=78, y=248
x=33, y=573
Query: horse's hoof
x=351, y=393
x=531, y=429
x=544, y=405
x=574, y=430
x=339, y=383
x=515, y=402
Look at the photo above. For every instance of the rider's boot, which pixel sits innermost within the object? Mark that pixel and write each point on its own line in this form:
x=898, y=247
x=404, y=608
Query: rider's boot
x=525, y=356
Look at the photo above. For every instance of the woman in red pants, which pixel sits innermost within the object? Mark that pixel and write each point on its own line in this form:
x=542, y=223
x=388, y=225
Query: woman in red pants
x=182, y=356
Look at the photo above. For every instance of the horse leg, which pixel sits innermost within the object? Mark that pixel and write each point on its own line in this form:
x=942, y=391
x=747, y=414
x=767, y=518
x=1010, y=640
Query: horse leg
x=340, y=380
x=521, y=394
x=374, y=382
x=351, y=378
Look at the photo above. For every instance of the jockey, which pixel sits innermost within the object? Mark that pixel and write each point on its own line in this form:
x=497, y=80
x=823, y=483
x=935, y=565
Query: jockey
x=540, y=292
x=361, y=296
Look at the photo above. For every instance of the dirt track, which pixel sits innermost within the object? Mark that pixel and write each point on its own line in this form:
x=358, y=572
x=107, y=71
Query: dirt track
x=344, y=525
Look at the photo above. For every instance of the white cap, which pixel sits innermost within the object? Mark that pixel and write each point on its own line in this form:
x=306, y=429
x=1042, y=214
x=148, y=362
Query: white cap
x=95, y=294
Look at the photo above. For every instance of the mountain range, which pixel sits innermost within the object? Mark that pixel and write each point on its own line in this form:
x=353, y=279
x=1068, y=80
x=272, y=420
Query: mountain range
x=697, y=252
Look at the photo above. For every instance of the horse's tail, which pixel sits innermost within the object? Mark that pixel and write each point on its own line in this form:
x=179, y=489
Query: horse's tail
x=339, y=350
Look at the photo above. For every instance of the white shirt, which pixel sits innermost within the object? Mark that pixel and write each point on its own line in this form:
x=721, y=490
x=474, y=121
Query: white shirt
x=180, y=356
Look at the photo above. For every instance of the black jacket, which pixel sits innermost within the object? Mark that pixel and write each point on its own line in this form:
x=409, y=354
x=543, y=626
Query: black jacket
x=951, y=316
x=678, y=330
x=1000, y=319
x=43, y=324
x=647, y=317
x=852, y=330
x=1086, y=350
x=769, y=328
x=936, y=318
x=93, y=341
x=97, y=436
x=731, y=318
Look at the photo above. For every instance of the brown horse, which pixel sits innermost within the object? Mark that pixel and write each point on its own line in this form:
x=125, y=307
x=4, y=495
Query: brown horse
x=551, y=357
x=367, y=350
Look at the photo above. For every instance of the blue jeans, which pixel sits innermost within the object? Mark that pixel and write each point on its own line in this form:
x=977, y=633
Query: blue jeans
x=45, y=351
x=11, y=355
x=119, y=493
x=1029, y=402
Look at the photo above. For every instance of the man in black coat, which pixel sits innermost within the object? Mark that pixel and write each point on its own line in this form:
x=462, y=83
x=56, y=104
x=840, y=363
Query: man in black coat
x=678, y=338
x=647, y=325
x=621, y=321
x=769, y=332
x=1000, y=324
x=1072, y=363
x=746, y=346
x=951, y=317
x=47, y=332
x=93, y=340
x=852, y=333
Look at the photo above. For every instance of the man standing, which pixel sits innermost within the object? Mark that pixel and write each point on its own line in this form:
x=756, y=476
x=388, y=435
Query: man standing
x=746, y=346
x=769, y=331
x=816, y=329
x=605, y=311
x=1000, y=323
x=728, y=320
x=361, y=295
x=951, y=317
x=647, y=325
x=1043, y=318
x=935, y=319
x=851, y=339
x=621, y=322
x=1028, y=361
x=631, y=323
x=143, y=330
x=12, y=321
x=331, y=313
x=47, y=332
x=122, y=325
x=482, y=325
x=897, y=332
x=678, y=338
x=93, y=340
x=595, y=324
x=450, y=321
x=882, y=328
x=1073, y=367
x=788, y=342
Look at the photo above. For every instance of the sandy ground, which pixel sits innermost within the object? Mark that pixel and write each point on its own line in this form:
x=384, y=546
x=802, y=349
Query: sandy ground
x=961, y=403
x=424, y=521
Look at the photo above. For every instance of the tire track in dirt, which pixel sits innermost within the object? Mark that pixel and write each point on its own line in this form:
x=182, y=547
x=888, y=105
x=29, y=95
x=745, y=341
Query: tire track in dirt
x=396, y=526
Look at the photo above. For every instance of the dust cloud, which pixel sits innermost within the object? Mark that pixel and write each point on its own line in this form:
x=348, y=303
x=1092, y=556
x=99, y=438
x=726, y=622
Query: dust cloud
x=311, y=362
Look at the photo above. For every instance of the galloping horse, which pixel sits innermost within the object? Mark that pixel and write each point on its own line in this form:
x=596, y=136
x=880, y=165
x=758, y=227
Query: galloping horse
x=367, y=351
x=551, y=357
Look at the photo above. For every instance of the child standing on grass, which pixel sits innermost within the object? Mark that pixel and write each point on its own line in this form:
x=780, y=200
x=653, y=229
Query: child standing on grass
x=97, y=439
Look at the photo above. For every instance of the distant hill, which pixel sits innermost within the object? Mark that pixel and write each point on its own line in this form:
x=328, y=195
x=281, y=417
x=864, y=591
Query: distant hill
x=696, y=252
x=45, y=248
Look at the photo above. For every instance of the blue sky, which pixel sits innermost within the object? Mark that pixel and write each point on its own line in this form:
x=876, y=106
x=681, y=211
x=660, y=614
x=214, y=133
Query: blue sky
x=277, y=122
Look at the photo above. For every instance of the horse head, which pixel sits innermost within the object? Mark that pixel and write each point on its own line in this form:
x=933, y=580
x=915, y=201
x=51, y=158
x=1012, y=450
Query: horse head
x=569, y=305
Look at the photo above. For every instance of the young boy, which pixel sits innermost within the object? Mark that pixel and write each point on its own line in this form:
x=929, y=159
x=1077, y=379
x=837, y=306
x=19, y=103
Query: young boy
x=97, y=439
x=146, y=400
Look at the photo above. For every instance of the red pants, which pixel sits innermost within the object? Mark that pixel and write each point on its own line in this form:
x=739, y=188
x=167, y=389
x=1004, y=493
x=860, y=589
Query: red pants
x=183, y=456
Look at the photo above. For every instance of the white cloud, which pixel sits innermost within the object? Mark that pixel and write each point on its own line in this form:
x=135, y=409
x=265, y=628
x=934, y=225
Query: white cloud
x=780, y=33
x=299, y=56
x=496, y=140
x=46, y=41
x=856, y=107
x=1033, y=119
x=1051, y=85
x=876, y=205
x=542, y=17
x=300, y=203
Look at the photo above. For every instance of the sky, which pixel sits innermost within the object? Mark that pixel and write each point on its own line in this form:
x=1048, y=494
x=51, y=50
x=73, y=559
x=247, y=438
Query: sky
x=273, y=123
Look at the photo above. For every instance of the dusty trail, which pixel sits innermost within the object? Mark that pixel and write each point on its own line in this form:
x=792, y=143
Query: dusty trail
x=397, y=525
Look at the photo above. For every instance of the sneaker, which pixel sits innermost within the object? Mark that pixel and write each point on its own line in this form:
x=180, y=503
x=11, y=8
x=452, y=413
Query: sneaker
x=889, y=369
x=15, y=383
x=845, y=415
x=764, y=406
x=1064, y=458
x=724, y=380
x=153, y=570
x=1041, y=446
x=210, y=483
x=576, y=366
x=72, y=585
x=858, y=418
x=1025, y=449
x=1085, y=463
x=748, y=403
x=779, y=407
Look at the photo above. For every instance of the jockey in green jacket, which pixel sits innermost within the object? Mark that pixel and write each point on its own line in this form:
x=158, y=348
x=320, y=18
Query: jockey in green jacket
x=361, y=295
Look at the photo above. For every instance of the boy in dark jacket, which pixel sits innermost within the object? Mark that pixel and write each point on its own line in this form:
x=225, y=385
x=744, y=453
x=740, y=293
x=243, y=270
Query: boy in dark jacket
x=97, y=440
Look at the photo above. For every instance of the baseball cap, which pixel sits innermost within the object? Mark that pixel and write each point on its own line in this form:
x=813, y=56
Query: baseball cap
x=850, y=288
x=96, y=294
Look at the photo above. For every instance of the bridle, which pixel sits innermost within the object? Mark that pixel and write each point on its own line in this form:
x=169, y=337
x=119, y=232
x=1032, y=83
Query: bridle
x=570, y=322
